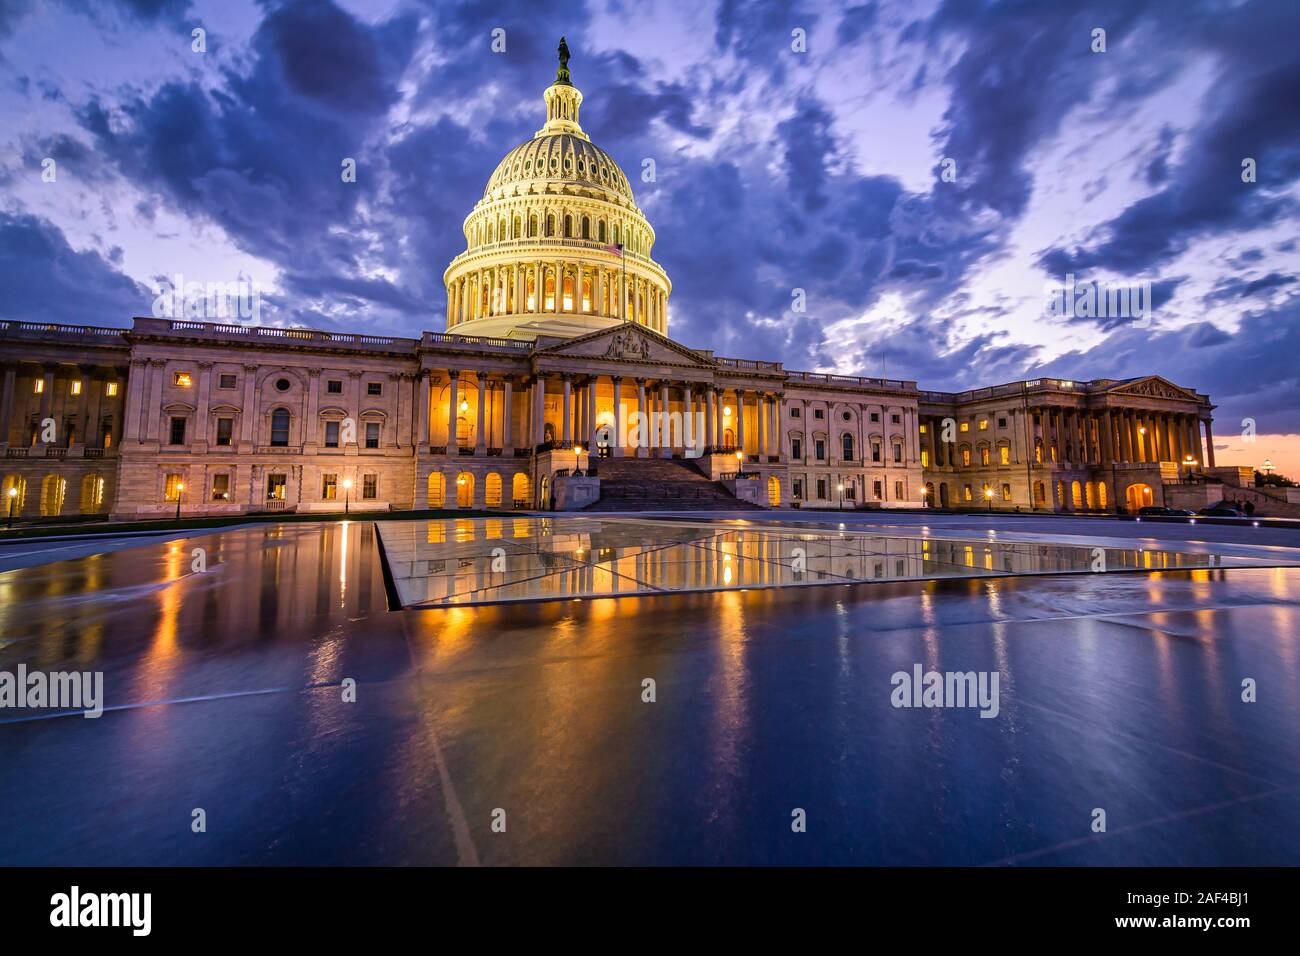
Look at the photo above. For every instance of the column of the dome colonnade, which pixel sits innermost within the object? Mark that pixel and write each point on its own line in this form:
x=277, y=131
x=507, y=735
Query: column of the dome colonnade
x=566, y=424
x=616, y=441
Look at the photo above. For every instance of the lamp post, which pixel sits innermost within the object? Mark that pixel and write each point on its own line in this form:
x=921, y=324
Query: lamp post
x=925, y=497
x=1266, y=468
x=13, y=500
x=1190, y=462
x=988, y=496
x=840, y=488
x=180, y=493
x=347, y=495
x=577, y=453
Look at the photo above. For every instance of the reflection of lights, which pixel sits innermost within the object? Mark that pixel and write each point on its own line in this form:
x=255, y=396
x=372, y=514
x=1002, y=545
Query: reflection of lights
x=726, y=411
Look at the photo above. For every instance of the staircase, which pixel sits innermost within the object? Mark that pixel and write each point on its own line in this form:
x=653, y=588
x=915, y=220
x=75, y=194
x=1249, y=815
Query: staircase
x=660, y=484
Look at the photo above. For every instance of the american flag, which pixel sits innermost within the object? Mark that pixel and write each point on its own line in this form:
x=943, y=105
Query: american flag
x=616, y=249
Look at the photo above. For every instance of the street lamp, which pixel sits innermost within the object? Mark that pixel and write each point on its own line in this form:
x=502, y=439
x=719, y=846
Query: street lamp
x=13, y=500
x=180, y=493
x=1190, y=462
x=840, y=488
x=1266, y=468
x=347, y=495
x=925, y=497
x=988, y=494
x=577, y=453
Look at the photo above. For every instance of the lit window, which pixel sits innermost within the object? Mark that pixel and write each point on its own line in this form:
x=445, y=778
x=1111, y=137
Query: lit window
x=40, y=386
x=984, y=424
x=984, y=456
x=329, y=487
x=965, y=456
x=220, y=487
x=76, y=387
x=172, y=487
x=110, y=389
x=1004, y=454
x=965, y=426
x=370, y=486
x=182, y=379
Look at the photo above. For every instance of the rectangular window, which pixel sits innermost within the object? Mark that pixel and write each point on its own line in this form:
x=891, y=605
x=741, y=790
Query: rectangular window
x=221, y=487
x=965, y=456
x=796, y=447
x=275, y=487
x=331, y=434
x=984, y=456
x=925, y=458
x=966, y=493
x=1006, y=492
x=110, y=389
x=370, y=486
x=172, y=486
x=877, y=488
x=329, y=487
x=226, y=380
x=819, y=447
x=875, y=452
x=372, y=434
x=334, y=386
x=76, y=387
x=898, y=453
x=898, y=491
x=225, y=429
x=821, y=488
x=796, y=489
x=818, y=413
x=374, y=388
x=182, y=379
x=965, y=427
x=177, y=430
x=796, y=413
x=1002, y=423
x=1004, y=455
x=851, y=492
x=39, y=387
x=984, y=424
x=875, y=416
x=895, y=419
x=280, y=428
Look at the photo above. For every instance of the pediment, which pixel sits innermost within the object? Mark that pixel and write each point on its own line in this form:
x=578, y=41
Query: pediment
x=1153, y=386
x=628, y=343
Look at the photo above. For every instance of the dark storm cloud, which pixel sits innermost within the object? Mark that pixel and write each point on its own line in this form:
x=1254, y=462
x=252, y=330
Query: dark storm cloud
x=46, y=280
x=1251, y=113
x=1235, y=288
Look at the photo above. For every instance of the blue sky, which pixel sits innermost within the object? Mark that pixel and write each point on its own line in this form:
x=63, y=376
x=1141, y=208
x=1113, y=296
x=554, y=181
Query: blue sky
x=776, y=170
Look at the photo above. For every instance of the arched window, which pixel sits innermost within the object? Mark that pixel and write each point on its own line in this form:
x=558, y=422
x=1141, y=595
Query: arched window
x=600, y=231
x=280, y=427
x=550, y=225
x=847, y=442
x=586, y=228
x=532, y=227
x=568, y=227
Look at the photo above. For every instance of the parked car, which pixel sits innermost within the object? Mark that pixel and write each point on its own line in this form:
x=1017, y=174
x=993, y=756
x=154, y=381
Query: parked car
x=1221, y=511
x=1160, y=511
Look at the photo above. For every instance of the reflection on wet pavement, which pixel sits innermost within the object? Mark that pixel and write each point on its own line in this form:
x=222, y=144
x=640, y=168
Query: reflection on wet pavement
x=226, y=691
x=465, y=562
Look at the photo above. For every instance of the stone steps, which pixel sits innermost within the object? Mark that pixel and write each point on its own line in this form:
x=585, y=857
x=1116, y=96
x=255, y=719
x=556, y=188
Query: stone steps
x=660, y=484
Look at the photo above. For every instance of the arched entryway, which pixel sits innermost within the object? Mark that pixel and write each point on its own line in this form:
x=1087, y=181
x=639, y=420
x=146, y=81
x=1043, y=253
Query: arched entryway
x=492, y=490
x=92, y=494
x=520, y=490
x=943, y=495
x=465, y=490
x=543, y=491
x=437, y=489
x=774, y=491
x=929, y=494
x=53, y=490
x=1138, y=496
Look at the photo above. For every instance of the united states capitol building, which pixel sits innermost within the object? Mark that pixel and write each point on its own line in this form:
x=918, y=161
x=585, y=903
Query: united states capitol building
x=555, y=384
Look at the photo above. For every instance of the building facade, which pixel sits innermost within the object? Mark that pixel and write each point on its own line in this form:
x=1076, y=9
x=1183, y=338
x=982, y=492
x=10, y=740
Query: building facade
x=556, y=354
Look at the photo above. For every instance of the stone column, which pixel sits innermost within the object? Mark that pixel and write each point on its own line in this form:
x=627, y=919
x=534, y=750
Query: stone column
x=7, y=407
x=1107, y=437
x=1209, y=442
x=641, y=450
x=718, y=429
x=566, y=424
x=740, y=424
x=616, y=441
x=93, y=411
x=453, y=396
x=597, y=291
x=421, y=387
x=710, y=417
x=689, y=438
x=507, y=407
x=665, y=433
x=480, y=432
x=760, y=425
x=592, y=382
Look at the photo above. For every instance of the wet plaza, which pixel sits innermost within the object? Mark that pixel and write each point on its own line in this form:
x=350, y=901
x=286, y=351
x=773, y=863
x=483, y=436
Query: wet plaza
x=227, y=689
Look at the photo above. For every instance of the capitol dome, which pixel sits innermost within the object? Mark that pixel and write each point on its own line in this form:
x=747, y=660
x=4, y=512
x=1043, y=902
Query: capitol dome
x=557, y=216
